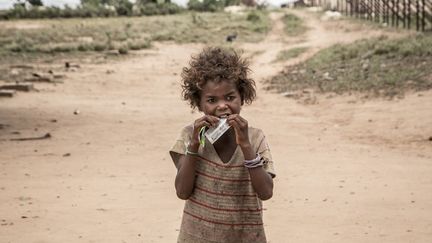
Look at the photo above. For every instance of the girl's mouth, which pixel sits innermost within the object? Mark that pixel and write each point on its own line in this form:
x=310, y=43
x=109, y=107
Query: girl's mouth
x=224, y=116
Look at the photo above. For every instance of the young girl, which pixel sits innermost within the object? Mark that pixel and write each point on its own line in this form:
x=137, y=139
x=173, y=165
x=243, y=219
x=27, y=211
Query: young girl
x=223, y=183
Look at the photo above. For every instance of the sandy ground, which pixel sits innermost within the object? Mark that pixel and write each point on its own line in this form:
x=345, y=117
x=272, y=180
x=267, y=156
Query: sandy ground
x=348, y=169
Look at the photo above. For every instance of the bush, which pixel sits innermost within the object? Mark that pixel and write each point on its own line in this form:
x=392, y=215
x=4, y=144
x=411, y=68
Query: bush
x=124, y=8
x=123, y=50
x=139, y=44
x=90, y=9
x=253, y=16
x=206, y=5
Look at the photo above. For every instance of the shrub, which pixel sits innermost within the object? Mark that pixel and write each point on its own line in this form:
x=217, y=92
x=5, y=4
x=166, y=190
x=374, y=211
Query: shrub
x=253, y=16
x=123, y=50
x=139, y=44
x=205, y=5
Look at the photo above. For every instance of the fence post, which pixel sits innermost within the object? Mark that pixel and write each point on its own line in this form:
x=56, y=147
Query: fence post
x=397, y=13
x=409, y=14
x=424, y=15
x=417, y=15
x=378, y=11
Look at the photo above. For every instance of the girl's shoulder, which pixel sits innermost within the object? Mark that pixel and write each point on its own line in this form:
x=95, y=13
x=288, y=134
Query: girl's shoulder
x=255, y=131
x=256, y=134
x=188, y=128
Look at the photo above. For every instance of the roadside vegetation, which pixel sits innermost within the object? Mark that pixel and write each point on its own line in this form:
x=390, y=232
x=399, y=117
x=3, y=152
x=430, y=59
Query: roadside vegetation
x=294, y=26
x=35, y=9
x=67, y=36
x=378, y=67
x=285, y=55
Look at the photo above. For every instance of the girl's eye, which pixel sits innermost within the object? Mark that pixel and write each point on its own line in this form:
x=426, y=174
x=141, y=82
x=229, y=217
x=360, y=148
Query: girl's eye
x=211, y=100
x=230, y=97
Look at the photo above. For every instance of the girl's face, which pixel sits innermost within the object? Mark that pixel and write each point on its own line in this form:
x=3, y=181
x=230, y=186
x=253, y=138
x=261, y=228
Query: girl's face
x=220, y=99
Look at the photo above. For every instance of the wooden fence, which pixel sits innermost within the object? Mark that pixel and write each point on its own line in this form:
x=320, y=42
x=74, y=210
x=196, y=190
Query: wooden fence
x=398, y=13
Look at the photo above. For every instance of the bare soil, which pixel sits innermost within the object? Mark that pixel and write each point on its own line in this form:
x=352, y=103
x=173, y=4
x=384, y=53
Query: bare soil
x=348, y=169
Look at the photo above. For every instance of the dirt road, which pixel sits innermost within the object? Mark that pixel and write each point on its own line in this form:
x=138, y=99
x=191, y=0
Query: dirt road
x=348, y=170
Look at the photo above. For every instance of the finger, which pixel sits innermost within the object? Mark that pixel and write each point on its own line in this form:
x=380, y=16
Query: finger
x=200, y=123
x=242, y=123
x=213, y=120
x=234, y=124
x=242, y=119
x=205, y=124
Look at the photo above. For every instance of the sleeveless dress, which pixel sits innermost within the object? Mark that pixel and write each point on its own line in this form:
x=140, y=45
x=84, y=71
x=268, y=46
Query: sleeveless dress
x=223, y=206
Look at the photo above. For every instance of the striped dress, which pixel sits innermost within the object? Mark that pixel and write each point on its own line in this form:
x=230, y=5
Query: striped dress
x=223, y=206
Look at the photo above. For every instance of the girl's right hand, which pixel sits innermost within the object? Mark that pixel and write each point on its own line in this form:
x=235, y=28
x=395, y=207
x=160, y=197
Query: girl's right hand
x=204, y=121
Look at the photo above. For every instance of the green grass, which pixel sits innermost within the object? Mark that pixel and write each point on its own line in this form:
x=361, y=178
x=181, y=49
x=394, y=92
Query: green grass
x=285, y=55
x=294, y=25
x=51, y=41
x=380, y=67
x=100, y=34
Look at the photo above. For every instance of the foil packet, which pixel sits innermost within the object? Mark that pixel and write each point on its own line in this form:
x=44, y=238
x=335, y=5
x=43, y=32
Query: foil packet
x=214, y=133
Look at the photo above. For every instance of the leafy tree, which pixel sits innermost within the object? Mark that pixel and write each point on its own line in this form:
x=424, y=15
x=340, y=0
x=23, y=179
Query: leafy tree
x=206, y=5
x=123, y=7
x=90, y=2
x=35, y=2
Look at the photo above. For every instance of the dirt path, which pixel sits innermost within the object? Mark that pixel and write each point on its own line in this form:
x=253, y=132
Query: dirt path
x=348, y=170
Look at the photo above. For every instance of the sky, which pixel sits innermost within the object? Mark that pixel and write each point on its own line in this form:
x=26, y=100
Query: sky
x=5, y=4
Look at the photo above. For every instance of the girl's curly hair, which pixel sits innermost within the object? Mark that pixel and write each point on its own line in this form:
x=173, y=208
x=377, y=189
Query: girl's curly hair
x=216, y=64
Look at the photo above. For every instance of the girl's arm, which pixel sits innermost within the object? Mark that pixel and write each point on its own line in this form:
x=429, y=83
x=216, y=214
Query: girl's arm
x=185, y=178
x=262, y=182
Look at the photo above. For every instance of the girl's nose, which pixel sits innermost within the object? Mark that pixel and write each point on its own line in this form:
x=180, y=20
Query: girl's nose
x=222, y=105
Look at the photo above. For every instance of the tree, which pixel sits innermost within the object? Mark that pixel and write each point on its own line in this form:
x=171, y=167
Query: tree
x=90, y=2
x=123, y=7
x=35, y=2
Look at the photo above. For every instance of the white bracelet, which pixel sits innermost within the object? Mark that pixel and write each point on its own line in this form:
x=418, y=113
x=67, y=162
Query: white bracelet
x=187, y=152
x=254, y=163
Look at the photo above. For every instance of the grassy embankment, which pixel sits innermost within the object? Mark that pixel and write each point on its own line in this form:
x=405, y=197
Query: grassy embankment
x=293, y=26
x=77, y=36
x=36, y=41
x=375, y=67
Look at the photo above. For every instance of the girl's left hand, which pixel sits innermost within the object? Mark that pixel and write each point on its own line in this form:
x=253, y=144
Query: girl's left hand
x=240, y=126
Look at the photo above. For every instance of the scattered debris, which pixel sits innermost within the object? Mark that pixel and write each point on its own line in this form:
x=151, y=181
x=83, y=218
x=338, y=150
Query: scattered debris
x=112, y=52
x=66, y=155
x=76, y=112
x=291, y=94
x=58, y=76
x=231, y=38
x=15, y=72
x=17, y=86
x=71, y=65
x=331, y=15
x=327, y=76
x=38, y=79
x=46, y=136
x=305, y=96
x=21, y=66
x=7, y=93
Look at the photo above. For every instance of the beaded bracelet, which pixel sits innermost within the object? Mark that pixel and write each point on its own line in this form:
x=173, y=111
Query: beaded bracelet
x=254, y=163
